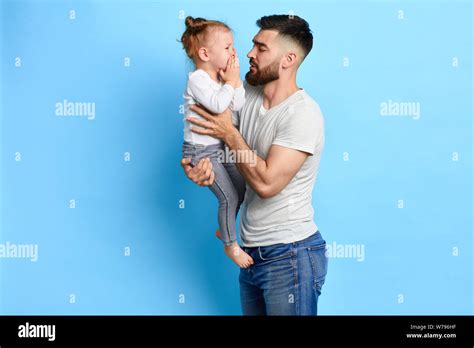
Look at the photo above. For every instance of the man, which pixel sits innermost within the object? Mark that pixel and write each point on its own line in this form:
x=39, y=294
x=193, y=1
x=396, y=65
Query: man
x=285, y=127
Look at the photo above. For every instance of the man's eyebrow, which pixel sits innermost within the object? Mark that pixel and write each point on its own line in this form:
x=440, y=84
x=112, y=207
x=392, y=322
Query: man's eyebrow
x=259, y=43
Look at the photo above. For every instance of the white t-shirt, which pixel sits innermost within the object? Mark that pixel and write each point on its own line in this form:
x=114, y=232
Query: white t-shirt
x=215, y=97
x=297, y=123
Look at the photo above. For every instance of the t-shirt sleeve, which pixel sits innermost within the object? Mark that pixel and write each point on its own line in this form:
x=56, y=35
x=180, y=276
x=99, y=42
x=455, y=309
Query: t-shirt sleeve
x=301, y=128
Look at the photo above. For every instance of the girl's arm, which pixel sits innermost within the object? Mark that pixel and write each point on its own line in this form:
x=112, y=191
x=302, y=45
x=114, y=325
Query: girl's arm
x=199, y=86
x=239, y=99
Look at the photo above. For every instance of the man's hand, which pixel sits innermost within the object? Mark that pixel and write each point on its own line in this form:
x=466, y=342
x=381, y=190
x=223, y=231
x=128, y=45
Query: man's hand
x=202, y=174
x=218, y=126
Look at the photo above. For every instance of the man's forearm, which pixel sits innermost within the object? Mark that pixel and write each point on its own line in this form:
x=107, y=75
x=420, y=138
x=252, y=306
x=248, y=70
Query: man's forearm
x=252, y=167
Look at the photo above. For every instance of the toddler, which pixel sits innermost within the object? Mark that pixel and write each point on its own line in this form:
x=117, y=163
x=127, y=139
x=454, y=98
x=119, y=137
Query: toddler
x=216, y=85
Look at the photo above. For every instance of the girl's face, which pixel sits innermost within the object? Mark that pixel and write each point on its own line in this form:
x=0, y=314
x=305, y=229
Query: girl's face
x=221, y=48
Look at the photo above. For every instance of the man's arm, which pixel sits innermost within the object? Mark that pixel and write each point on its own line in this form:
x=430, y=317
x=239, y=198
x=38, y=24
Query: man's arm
x=266, y=177
x=269, y=176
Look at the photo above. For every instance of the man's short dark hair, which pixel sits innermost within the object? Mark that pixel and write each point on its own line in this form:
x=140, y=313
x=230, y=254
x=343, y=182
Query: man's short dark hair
x=291, y=26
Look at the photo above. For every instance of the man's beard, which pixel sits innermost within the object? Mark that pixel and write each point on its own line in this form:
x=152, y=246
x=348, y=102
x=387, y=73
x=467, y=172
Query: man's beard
x=264, y=76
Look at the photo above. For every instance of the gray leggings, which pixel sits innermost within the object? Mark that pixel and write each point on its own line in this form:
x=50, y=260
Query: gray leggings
x=228, y=186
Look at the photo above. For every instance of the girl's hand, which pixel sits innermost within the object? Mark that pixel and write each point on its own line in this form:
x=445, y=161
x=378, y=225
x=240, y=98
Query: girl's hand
x=231, y=74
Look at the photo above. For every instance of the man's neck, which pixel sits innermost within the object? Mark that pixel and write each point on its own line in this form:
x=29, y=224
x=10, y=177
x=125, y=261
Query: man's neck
x=277, y=91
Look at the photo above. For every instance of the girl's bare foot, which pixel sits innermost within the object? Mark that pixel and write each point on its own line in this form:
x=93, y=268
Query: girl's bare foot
x=240, y=257
x=236, y=254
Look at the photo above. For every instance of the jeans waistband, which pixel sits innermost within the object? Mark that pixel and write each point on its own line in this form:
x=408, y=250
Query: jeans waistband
x=218, y=146
x=314, y=236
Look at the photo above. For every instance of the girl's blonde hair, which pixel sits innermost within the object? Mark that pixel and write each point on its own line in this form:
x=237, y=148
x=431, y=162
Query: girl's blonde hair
x=195, y=34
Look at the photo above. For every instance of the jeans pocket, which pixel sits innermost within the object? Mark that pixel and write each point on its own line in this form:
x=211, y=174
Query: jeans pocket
x=319, y=264
x=275, y=252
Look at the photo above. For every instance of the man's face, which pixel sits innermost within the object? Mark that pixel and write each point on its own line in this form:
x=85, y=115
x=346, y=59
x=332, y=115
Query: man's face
x=264, y=58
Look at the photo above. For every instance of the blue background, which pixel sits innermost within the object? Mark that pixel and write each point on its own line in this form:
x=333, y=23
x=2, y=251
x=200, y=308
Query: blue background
x=136, y=203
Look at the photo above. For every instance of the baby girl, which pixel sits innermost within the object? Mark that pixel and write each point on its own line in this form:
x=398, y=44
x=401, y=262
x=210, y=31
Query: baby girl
x=215, y=85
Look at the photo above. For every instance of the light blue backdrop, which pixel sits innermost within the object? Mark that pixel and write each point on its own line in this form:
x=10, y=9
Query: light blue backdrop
x=120, y=230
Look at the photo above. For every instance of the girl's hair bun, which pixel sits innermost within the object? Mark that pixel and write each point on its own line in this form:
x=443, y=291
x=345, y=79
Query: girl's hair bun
x=195, y=24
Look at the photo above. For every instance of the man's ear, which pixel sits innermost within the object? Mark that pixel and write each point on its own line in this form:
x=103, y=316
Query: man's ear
x=289, y=60
x=203, y=54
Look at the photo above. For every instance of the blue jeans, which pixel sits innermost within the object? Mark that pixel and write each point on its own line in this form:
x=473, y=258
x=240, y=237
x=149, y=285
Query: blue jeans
x=286, y=279
x=228, y=187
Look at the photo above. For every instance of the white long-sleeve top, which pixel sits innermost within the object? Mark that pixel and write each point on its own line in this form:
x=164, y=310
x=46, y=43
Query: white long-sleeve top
x=215, y=97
